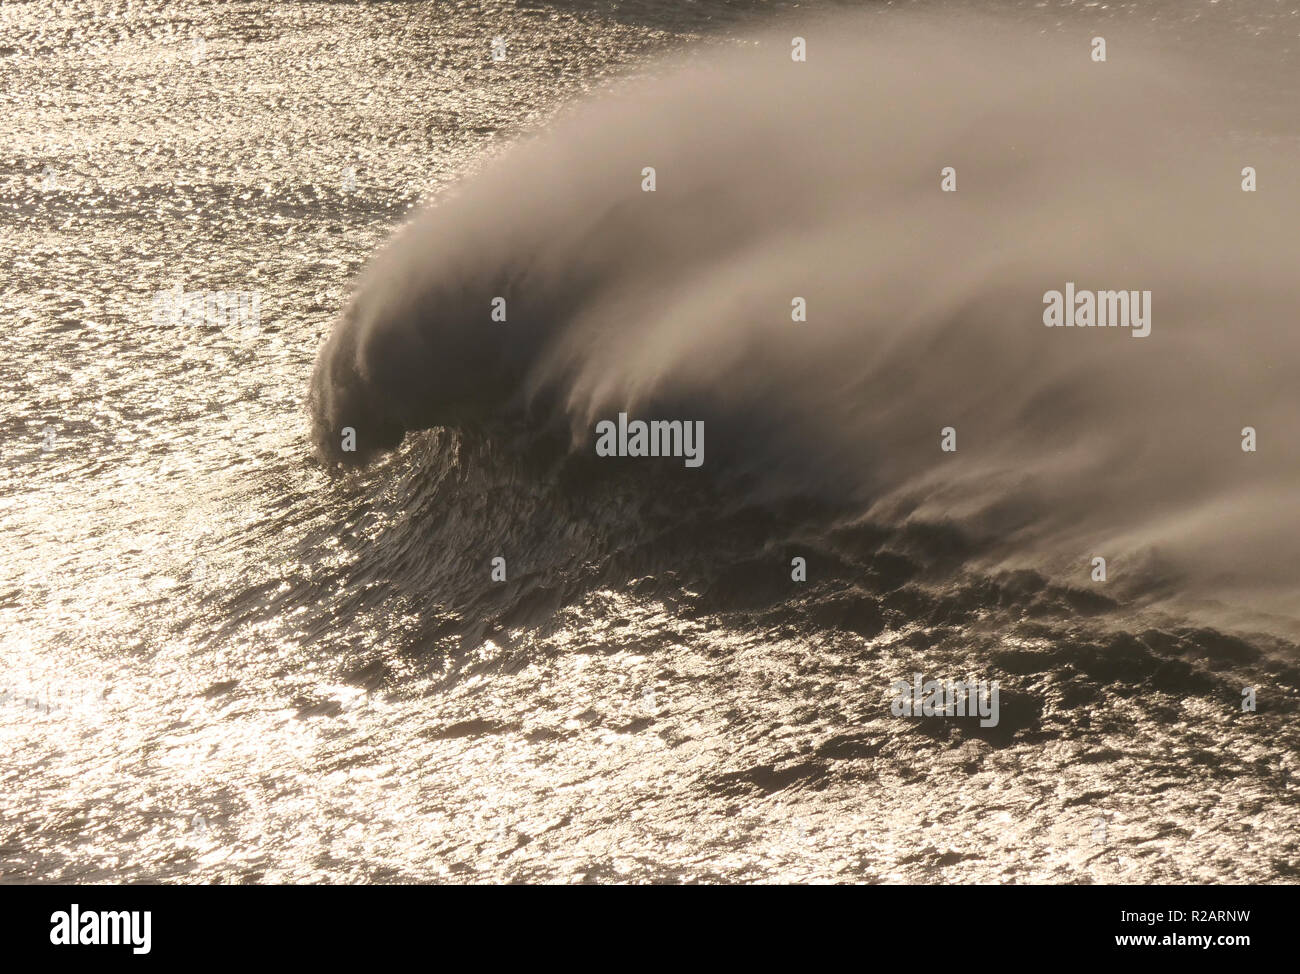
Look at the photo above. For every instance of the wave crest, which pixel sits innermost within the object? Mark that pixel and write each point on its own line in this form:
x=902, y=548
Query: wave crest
x=821, y=180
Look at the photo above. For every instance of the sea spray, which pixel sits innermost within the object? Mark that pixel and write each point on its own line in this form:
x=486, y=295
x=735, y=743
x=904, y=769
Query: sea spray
x=913, y=191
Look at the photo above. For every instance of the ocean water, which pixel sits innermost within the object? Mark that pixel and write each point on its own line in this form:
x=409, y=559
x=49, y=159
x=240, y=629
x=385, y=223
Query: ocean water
x=230, y=652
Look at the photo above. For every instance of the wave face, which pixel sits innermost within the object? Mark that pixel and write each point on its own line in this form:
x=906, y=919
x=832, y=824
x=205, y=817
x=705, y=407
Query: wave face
x=821, y=180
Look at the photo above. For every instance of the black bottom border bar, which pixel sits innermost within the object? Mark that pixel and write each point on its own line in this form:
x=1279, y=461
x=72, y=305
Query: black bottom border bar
x=336, y=923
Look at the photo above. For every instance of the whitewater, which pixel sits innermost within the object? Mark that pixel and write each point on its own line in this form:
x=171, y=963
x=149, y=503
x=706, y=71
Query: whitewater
x=820, y=180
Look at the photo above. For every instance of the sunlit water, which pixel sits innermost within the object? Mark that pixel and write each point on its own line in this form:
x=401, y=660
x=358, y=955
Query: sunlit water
x=222, y=665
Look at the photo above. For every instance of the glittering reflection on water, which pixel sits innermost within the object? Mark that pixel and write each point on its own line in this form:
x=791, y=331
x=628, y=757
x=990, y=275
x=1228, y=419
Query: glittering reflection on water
x=219, y=664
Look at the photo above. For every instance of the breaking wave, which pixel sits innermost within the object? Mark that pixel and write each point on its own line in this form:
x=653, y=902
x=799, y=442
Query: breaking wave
x=821, y=180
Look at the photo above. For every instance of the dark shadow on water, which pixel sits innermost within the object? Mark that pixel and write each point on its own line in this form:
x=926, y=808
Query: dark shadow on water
x=682, y=15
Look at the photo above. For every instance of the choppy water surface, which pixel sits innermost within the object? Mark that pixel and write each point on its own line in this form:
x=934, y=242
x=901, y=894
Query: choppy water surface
x=222, y=664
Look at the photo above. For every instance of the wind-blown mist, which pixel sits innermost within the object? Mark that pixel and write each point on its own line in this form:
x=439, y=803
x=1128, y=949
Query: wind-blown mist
x=777, y=179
